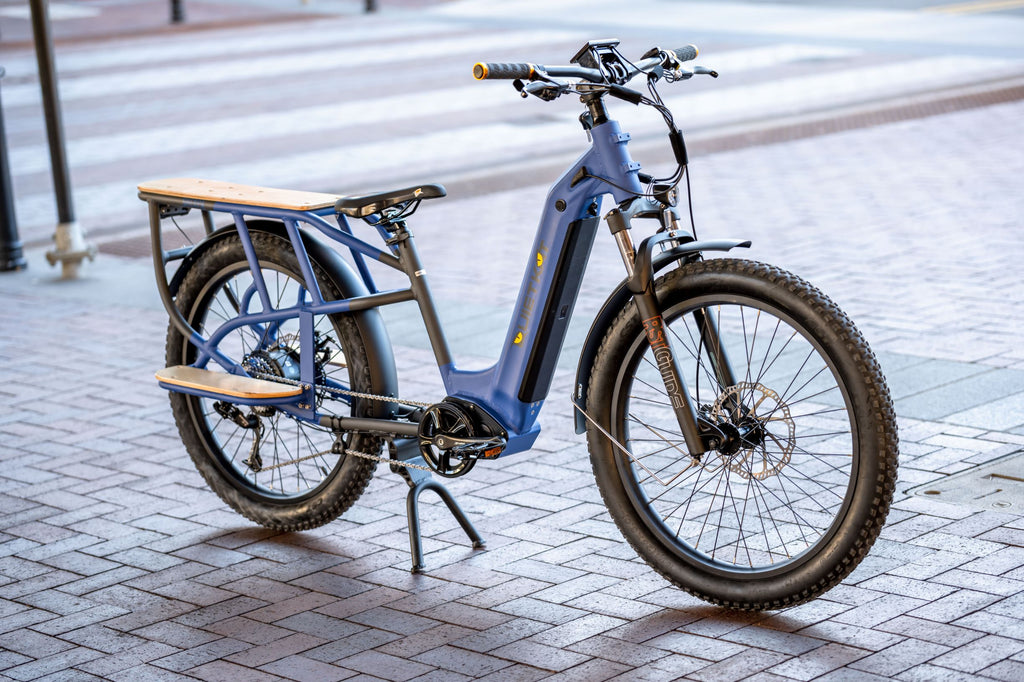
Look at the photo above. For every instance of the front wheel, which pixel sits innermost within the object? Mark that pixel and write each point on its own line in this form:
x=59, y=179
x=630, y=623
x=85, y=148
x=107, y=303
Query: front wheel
x=797, y=492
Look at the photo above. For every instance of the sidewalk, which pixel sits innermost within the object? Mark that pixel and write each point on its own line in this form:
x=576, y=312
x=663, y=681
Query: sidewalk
x=119, y=564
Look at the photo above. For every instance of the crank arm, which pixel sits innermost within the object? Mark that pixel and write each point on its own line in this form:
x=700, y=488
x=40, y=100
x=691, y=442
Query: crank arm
x=446, y=442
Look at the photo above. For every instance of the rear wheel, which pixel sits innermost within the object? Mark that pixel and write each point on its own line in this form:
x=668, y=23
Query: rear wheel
x=272, y=468
x=798, y=489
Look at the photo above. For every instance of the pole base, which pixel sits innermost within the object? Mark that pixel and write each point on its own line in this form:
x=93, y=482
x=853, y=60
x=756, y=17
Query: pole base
x=12, y=258
x=71, y=249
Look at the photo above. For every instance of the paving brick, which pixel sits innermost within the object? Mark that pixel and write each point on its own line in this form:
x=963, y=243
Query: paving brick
x=23, y=619
x=391, y=620
x=692, y=645
x=461, y=661
x=328, y=583
x=571, y=589
x=424, y=641
x=627, y=653
x=899, y=657
x=1007, y=671
x=880, y=610
x=539, y=655
x=247, y=630
x=222, y=670
x=196, y=656
x=364, y=601
x=534, y=609
x=576, y=630
x=930, y=631
x=363, y=640
x=104, y=639
x=387, y=667
x=979, y=654
x=500, y=635
x=176, y=635
x=933, y=673
x=107, y=666
x=34, y=644
x=953, y=606
x=54, y=663
x=818, y=662
x=782, y=642
x=739, y=667
x=306, y=670
x=220, y=611
x=273, y=651
x=594, y=670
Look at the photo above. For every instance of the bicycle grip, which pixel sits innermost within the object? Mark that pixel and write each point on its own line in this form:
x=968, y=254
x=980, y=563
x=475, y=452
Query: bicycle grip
x=482, y=70
x=686, y=53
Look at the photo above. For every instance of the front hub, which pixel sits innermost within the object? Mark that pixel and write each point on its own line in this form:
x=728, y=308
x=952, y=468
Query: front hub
x=760, y=434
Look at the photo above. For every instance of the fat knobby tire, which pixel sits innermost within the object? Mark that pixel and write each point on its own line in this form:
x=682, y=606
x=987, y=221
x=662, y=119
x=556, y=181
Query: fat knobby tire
x=875, y=427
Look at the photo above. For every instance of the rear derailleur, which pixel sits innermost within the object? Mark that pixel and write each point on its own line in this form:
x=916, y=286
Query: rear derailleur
x=247, y=421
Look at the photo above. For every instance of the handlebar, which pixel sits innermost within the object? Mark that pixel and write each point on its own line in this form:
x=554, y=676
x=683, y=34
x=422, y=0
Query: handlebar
x=489, y=70
x=483, y=70
x=686, y=53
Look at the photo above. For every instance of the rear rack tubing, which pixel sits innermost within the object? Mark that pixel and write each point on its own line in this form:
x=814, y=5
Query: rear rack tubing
x=160, y=271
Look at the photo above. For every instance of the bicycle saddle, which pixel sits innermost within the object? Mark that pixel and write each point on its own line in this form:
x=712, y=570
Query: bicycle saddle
x=368, y=204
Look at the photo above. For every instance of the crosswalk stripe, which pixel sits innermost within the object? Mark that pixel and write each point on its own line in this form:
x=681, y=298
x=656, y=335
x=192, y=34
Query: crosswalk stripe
x=230, y=71
x=112, y=92
x=133, y=53
x=100, y=149
x=355, y=167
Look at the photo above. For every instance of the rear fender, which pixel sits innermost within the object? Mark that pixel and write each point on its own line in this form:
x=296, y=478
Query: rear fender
x=383, y=374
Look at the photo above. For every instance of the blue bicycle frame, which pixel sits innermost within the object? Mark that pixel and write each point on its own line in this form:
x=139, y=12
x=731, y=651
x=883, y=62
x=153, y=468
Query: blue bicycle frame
x=513, y=390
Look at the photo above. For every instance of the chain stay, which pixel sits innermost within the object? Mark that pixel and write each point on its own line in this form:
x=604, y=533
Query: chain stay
x=356, y=453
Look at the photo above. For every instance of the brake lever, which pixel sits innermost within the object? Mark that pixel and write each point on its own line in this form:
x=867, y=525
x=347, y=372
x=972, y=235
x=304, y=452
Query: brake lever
x=682, y=73
x=544, y=90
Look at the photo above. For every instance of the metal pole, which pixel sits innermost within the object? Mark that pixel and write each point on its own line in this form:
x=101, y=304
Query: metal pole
x=177, y=11
x=371, y=6
x=11, y=256
x=71, y=248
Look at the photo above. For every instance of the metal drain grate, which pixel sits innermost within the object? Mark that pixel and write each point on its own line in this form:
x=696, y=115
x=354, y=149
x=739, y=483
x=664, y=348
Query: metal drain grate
x=996, y=486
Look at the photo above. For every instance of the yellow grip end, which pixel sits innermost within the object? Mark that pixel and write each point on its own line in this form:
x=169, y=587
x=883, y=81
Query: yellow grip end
x=479, y=71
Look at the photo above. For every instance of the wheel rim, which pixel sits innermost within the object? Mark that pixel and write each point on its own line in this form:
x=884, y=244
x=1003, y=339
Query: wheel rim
x=781, y=483
x=269, y=351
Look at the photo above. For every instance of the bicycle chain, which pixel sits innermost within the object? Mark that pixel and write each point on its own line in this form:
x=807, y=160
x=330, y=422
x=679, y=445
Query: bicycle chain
x=355, y=453
x=340, y=391
x=353, y=394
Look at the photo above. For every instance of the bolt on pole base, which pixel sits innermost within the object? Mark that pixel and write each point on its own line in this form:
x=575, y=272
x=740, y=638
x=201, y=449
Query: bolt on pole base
x=71, y=249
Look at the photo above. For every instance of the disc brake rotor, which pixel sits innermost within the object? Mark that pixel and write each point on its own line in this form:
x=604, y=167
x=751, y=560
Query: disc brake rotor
x=764, y=426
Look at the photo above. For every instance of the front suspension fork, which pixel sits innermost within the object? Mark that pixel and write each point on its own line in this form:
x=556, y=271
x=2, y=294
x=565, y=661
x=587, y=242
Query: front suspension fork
x=699, y=433
x=690, y=424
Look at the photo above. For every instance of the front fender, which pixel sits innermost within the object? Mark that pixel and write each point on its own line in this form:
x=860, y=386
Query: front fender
x=383, y=373
x=646, y=266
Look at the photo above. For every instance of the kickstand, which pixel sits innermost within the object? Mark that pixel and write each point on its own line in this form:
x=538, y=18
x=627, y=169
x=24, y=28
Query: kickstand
x=420, y=480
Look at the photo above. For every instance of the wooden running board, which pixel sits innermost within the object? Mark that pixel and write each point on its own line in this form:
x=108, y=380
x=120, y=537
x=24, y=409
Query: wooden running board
x=225, y=384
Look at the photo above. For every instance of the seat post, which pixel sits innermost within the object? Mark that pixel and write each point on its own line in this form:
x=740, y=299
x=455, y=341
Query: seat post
x=409, y=257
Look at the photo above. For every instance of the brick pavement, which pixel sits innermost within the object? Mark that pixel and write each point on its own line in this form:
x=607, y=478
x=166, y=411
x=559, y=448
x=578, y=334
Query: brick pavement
x=117, y=563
